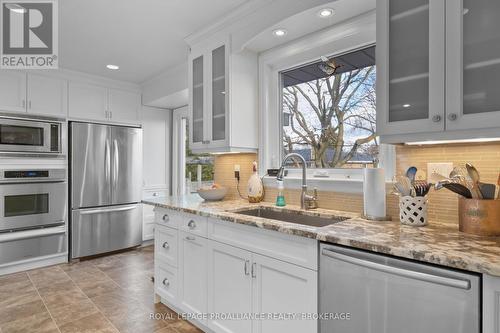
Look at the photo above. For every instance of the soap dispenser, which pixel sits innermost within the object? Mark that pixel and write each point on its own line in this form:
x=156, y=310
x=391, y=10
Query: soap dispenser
x=280, y=199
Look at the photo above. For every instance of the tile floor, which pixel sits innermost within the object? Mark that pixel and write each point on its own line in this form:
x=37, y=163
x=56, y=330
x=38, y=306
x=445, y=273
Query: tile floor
x=109, y=294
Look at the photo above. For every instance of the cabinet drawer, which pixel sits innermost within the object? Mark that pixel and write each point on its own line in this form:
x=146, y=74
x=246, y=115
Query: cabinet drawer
x=166, y=245
x=167, y=217
x=293, y=249
x=194, y=224
x=166, y=282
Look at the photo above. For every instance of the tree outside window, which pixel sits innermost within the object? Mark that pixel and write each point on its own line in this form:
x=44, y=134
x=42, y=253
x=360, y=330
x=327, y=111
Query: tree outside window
x=329, y=118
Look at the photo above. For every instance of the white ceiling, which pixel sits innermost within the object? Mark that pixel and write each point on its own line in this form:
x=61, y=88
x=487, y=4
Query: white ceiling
x=143, y=37
x=308, y=22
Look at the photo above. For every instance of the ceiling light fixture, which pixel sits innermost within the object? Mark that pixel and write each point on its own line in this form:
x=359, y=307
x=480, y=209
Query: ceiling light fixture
x=326, y=12
x=113, y=67
x=406, y=105
x=279, y=32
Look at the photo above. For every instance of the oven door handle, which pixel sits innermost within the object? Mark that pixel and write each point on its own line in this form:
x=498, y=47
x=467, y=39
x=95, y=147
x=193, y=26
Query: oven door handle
x=34, y=233
x=107, y=210
x=407, y=273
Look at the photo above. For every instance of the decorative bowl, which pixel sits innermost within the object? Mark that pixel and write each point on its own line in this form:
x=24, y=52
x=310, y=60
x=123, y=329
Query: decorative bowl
x=213, y=194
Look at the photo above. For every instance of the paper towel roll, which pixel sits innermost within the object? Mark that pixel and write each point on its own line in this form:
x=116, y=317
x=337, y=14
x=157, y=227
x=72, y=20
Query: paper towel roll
x=374, y=193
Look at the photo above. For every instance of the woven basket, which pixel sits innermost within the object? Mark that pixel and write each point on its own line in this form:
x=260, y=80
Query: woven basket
x=413, y=211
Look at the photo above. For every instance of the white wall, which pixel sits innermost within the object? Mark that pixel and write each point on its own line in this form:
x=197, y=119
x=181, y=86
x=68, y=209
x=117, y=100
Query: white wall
x=167, y=90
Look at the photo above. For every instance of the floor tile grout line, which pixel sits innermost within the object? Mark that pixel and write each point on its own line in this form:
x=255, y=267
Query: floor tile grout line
x=43, y=301
x=90, y=299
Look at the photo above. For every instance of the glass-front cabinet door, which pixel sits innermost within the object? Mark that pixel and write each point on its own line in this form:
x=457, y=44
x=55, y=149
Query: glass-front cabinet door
x=473, y=64
x=218, y=86
x=197, y=102
x=410, y=66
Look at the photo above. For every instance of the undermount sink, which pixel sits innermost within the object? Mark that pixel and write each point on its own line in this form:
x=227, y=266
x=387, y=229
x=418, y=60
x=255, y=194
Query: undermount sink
x=292, y=217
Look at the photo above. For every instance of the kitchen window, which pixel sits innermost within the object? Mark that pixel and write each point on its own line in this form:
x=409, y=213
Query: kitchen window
x=329, y=111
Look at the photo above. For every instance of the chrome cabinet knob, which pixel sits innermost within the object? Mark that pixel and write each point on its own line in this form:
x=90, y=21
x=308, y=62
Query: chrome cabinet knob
x=436, y=118
x=166, y=218
x=165, y=282
x=166, y=246
x=452, y=116
x=192, y=224
x=189, y=238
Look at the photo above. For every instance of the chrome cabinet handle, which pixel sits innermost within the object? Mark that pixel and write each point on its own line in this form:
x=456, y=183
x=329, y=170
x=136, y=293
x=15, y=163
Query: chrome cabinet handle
x=110, y=114
x=436, y=118
x=426, y=277
x=452, y=116
x=254, y=268
x=247, y=263
x=165, y=282
x=166, y=246
x=205, y=142
x=189, y=238
x=192, y=224
x=166, y=218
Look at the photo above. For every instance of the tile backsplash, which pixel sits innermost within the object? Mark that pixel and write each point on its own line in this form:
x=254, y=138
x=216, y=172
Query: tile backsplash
x=443, y=205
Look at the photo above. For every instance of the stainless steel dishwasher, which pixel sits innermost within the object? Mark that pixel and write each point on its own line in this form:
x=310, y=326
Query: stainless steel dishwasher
x=362, y=292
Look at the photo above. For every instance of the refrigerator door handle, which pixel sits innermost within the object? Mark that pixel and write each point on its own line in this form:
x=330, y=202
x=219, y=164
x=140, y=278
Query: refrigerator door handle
x=116, y=163
x=107, y=162
x=107, y=210
x=436, y=279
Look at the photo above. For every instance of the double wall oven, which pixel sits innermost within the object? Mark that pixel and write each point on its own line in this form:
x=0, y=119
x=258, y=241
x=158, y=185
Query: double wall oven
x=33, y=190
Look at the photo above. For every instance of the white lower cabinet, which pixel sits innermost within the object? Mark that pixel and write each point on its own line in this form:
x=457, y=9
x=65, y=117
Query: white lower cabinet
x=214, y=281
x=229, y=287
x=193, y=273
x=283, y=288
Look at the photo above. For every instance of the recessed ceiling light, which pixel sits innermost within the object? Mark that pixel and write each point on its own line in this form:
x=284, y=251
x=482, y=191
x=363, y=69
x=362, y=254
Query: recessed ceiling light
x=279, y=32
x=406, y=105
x=113, y=67
x=326, y=12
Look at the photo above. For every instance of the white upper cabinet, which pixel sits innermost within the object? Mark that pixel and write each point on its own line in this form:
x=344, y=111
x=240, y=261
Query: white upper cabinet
x=438, y=69
x=124, y=106
x=222, y=99
x=47, y=95
x=12, y=91
x=473, y=64
x=410, y=66
x=94, y=102
x=88, y=101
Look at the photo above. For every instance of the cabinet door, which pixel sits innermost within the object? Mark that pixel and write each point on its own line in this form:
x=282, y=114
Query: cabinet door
x=47, y=95
x=192, y=273
x=410, y=66
x=473, y=64
x=87, y=101
x=218, y=95
x=229, y=287
x=124, y=106
x=281, y=287
x=197, y=101
x=155, y=129
x=12, y=91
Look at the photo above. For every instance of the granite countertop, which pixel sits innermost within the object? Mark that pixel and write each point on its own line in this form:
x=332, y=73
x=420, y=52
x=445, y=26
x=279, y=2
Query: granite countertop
x=436, y=243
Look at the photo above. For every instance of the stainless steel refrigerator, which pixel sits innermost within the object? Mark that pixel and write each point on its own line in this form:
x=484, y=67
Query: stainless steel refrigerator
x=105, y=185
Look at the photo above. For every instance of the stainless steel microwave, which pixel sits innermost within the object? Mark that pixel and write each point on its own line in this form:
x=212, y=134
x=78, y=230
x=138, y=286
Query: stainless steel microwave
x=31, y=136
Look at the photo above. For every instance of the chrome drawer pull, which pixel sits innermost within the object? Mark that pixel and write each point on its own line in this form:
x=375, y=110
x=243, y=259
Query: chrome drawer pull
x=254, y=268
x=165, y=282
x=189, y=238
x=166, y=218
x=166, y=246
x=192, y=224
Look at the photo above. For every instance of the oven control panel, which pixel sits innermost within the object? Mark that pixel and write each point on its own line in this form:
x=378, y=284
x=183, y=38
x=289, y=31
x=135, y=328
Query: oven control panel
x=30, y=175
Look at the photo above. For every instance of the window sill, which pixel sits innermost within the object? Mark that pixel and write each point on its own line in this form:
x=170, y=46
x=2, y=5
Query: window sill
x=352, y=186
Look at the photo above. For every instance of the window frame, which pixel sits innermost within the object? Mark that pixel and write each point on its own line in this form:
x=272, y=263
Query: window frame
x=345, y=37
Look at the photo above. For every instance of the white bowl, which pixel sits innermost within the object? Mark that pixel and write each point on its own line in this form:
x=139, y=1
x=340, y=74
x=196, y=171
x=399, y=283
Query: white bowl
x=214, y=194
